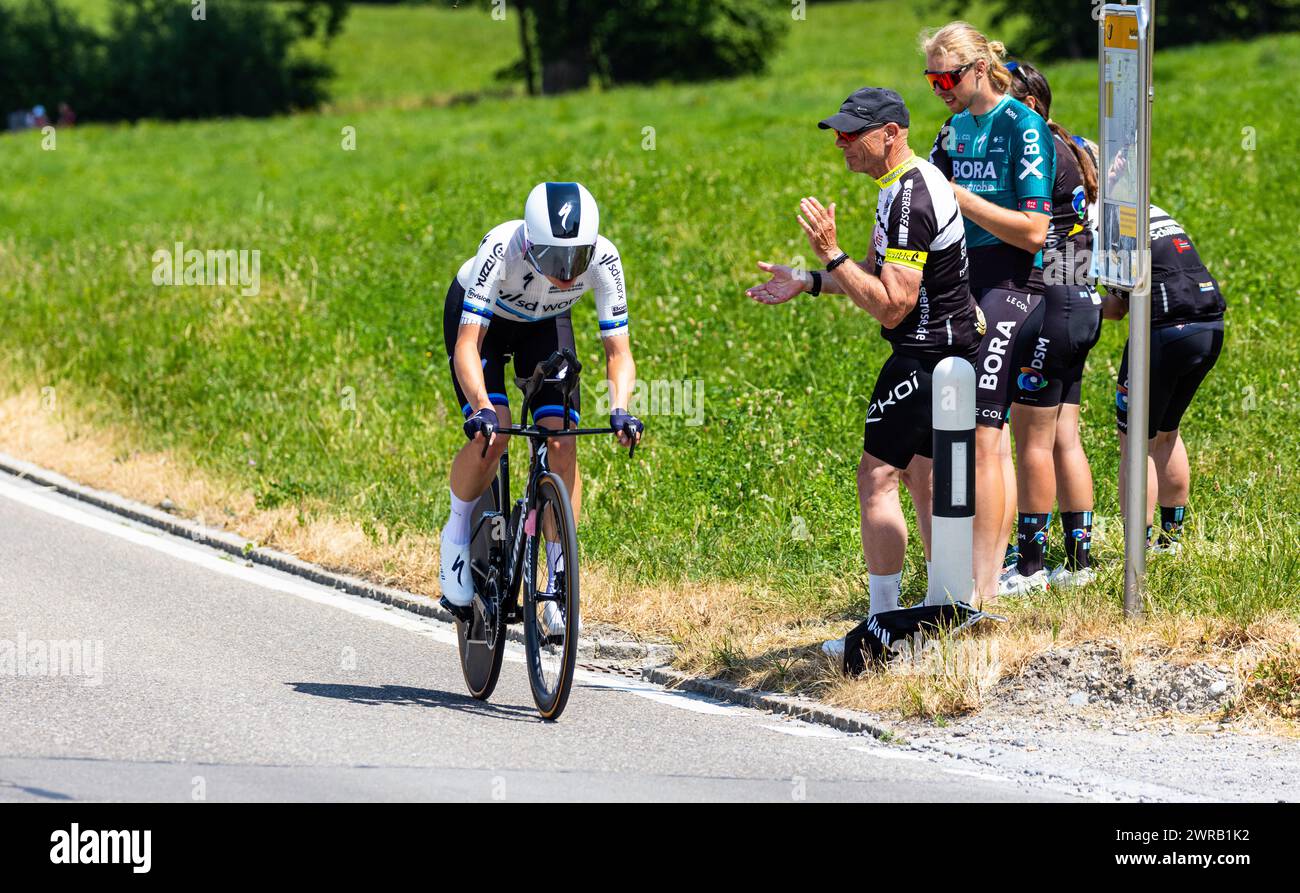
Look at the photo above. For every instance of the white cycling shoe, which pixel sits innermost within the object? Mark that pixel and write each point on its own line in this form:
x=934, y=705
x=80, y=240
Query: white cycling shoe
x=454, y=577
x=834, y=649
x=1068, y=579
x=1018, y=584
x=1167, y=549
x=1007, y=573
x=553, y=619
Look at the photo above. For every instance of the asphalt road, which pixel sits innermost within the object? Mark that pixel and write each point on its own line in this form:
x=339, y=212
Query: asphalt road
x=201, y=678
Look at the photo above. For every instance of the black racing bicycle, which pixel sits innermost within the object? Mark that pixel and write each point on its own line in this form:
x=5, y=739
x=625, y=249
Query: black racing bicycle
x=536, y=550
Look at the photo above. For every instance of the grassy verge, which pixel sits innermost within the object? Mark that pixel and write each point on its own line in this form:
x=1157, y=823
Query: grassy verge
x=325, y=394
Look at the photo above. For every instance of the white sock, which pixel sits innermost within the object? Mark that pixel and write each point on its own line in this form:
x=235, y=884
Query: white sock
x=457, y=530
x=884, y=590
x=929, y=581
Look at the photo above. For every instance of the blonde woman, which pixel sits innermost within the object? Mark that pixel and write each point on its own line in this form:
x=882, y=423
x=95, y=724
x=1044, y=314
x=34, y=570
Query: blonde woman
x=999, y=154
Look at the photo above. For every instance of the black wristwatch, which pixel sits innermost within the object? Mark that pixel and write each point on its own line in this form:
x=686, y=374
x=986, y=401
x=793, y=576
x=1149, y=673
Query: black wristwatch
x=830, y=267
x=817, y=283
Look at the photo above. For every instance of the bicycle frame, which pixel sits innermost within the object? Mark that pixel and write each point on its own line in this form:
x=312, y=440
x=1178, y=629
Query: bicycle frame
x=512, y=570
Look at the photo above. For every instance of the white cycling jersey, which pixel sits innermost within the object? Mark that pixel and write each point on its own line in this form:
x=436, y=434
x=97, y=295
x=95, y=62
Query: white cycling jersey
x=499, y=281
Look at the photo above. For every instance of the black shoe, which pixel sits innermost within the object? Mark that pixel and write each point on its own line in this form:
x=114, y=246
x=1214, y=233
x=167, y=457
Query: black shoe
x=463, y=613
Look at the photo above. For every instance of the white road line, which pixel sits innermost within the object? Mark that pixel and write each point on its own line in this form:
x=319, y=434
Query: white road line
x=807, y=730
x=208, y=559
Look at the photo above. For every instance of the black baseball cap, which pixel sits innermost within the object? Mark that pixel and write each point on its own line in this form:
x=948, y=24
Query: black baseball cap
x=869, y=107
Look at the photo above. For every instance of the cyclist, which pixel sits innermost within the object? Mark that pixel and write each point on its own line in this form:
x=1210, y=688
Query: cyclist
x=1052, y=379
x=513, y=299
x=1001, y=160
x=914, y=283
x=1187, y=310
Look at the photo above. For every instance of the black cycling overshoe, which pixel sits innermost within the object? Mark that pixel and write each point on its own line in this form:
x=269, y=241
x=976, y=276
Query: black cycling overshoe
x=462, y=613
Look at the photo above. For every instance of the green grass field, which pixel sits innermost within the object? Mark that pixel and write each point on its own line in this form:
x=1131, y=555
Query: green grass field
x=357, y=249
x=405, y=55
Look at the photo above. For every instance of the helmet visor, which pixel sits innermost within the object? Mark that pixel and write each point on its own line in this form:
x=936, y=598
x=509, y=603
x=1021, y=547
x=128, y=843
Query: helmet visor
x=561, y=261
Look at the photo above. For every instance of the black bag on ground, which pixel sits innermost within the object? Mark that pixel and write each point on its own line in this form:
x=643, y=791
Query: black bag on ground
x=871, y=642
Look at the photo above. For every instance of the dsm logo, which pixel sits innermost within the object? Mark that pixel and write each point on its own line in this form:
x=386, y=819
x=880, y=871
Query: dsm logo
x=1031, y=379
x=1080, y=202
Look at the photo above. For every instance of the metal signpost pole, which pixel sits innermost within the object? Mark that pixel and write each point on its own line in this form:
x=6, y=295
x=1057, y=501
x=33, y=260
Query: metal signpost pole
x=1125, y=57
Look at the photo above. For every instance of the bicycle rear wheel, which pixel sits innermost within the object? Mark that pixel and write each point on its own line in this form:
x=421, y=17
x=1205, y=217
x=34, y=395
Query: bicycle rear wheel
x=482, y=638
x=551, y=578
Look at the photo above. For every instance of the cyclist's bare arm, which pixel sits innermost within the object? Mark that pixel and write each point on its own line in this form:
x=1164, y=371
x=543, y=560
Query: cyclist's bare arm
x=888, y=297
x=469, y=365
x=620, y=370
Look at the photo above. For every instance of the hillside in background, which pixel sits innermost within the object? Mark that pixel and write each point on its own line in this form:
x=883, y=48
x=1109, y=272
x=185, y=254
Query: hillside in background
x=696, y=184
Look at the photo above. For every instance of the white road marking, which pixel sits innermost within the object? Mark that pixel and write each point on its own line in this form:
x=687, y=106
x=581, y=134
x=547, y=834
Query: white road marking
x=222, y=563
x=807, y=730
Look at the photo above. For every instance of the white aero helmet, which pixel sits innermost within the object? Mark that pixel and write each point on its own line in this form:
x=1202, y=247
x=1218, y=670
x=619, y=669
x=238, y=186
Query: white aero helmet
x=560, y=225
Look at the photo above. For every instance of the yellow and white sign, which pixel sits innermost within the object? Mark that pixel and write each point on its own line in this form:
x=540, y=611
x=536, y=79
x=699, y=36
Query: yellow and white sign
x=1122, y=242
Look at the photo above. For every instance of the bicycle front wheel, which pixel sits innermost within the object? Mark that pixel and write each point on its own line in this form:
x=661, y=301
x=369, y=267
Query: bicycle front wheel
x=551, y=597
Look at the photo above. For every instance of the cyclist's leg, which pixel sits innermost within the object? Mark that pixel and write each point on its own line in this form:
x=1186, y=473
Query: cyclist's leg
x=1073, y=471
x=1074, y=484
x=471, y=471
x=1074, y=491
x=1035, y=435
x=1039, y=391
x=884, y=529
x=918, y=478
x=1006, y=458
x=1007, y=315
x=1193, y=351
x=990, y=539
x=1158, y=397
x=1035, y=394
x=1172, y=468
x=898, y=429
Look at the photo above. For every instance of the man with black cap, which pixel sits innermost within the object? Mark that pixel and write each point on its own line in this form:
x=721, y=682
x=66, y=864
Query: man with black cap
x=914, y=282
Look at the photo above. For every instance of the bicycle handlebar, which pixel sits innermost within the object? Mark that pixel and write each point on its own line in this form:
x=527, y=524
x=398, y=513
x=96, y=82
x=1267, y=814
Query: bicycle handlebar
x=539, y=433
x=561, y=368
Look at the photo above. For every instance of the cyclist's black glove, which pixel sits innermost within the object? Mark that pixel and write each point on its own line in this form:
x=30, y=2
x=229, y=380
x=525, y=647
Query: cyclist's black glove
x=622, y=423
x=482, y=422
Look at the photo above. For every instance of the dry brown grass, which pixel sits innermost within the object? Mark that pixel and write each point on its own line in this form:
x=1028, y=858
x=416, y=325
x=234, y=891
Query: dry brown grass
x=744, y=632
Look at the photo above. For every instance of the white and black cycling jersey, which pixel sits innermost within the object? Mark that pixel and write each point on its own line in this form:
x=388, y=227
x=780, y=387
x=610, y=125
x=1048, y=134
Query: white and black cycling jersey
x=919, y=226
x=499, y=281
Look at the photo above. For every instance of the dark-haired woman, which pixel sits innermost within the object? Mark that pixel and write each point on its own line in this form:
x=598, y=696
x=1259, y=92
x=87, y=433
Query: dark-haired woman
x=1051, y=380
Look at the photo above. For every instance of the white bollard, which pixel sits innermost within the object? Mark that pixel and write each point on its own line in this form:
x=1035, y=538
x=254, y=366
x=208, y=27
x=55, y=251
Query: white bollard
x=951, y=544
